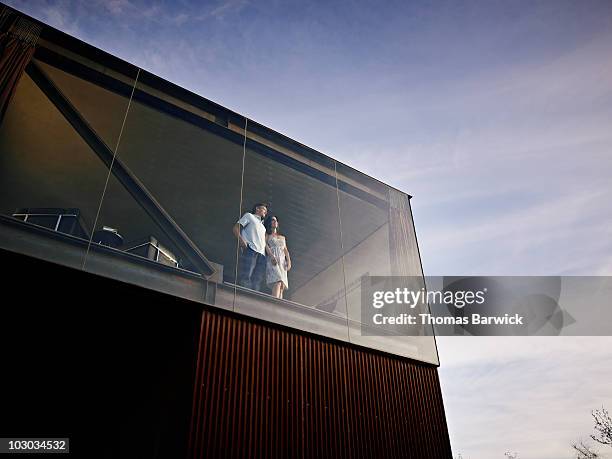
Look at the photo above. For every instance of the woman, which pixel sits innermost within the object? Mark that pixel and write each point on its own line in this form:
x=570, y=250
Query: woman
x=278, y=261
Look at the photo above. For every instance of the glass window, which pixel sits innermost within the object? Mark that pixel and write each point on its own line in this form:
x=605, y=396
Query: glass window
x=302, y=232
x=173, y=198
x=52, y=179
x=130, y=177
x=379, y=240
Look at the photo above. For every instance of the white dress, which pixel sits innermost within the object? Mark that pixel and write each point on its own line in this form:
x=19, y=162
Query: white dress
x=278, y=272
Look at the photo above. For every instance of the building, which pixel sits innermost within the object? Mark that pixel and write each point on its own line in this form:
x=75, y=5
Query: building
x=130, y=185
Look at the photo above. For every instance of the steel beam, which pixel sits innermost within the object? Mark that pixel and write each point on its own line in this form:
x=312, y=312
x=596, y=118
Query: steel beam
x=123, y=174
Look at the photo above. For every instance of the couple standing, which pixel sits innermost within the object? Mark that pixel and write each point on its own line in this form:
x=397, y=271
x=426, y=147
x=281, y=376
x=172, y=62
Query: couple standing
x=262, y=250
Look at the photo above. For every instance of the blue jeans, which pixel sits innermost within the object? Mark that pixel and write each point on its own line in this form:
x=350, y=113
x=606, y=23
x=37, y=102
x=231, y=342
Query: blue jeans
x=251, y=268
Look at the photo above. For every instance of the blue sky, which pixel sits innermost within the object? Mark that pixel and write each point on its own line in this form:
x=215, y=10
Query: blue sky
x=496, y=116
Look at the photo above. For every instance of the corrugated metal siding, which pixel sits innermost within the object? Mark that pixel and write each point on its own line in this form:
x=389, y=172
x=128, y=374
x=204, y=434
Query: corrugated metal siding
x=264, y=391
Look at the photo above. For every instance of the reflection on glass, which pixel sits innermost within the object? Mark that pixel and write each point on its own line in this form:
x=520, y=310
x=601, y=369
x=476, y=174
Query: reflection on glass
x=51, y=178
x=378, y=239
x=173, y=197
x=365, y=238
x=303, y=264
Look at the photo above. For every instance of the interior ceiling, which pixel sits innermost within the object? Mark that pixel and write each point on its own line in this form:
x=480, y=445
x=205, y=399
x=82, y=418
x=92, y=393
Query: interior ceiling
x=44, y=162
x=103, y=110
x=196, y=176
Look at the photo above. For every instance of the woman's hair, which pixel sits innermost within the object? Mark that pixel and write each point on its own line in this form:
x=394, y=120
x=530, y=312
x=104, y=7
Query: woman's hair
x=268, y=223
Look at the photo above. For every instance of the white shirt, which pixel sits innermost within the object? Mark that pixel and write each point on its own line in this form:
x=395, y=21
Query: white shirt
x=253, y=232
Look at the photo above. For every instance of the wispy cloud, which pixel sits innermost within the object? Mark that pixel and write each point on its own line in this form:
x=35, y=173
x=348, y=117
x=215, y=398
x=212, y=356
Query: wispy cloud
x=58, y=14
x=225, y=8
x=118, y=6
x=530, y=395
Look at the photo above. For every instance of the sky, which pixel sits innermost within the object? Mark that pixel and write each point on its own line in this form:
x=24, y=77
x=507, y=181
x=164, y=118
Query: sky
x=494, y=115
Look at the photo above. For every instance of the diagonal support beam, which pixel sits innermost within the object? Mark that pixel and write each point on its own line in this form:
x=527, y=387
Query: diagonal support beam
x=125, y=176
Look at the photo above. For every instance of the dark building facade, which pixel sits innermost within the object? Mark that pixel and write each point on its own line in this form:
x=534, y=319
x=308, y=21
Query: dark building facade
x=286, y=394
x=124, y=182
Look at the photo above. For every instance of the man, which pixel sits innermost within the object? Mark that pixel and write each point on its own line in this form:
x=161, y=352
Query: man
x=251, y=234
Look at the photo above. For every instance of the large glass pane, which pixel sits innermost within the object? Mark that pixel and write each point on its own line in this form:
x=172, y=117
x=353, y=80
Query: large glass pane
x=379, y=240
x=166, y=218
x=301, y=195
x=52, y=178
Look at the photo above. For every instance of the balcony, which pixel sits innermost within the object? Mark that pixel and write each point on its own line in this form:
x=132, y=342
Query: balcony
x=150, y=179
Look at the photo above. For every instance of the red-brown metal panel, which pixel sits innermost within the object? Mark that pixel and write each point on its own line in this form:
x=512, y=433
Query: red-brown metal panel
x=267, y=391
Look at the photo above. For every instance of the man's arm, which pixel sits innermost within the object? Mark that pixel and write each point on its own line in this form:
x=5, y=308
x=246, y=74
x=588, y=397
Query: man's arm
x=241, y=241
